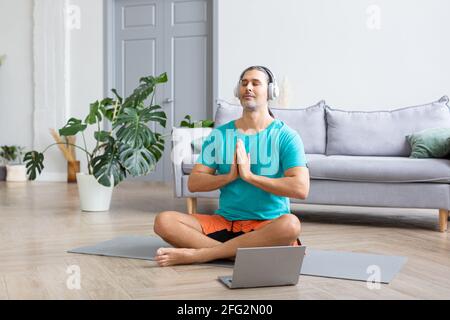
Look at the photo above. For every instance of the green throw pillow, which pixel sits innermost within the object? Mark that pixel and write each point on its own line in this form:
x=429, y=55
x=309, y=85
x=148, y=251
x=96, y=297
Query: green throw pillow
x=430, y=143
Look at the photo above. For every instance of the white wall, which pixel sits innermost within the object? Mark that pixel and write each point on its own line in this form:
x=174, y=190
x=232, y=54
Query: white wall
x=16, y=83
x=86, y=66
x=323, y=47
x=326, y=51
x=16, y=77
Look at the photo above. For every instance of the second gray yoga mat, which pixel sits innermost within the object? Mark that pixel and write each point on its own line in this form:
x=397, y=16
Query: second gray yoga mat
x=321, y=263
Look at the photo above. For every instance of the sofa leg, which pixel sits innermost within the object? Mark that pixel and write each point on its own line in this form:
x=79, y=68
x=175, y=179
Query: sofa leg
x=192, y=205
x=443, y=220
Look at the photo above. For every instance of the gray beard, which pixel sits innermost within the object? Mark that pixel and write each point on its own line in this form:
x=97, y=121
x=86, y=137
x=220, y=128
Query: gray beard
x=250, y=107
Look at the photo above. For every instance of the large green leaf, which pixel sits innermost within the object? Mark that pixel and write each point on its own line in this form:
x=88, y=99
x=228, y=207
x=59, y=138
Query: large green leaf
x=136, y=135
x=106, y=107
x=138, y=161
x=101, y=136
x=72, y=127
x=157, y=148
x=162, y=78
x=150, y=114
x=142, y=92
x=94, y=113
x=107, y=165
x=131, y=130
x=34, y=161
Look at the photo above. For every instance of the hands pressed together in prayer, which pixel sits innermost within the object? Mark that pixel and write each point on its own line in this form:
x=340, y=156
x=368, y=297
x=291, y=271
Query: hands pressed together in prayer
x=241, y=163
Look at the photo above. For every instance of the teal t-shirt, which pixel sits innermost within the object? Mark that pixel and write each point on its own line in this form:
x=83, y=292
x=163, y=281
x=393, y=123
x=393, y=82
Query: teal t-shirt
x=272, y=151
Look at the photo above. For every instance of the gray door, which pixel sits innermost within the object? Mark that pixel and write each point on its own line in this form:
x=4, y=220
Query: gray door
x=173, y=36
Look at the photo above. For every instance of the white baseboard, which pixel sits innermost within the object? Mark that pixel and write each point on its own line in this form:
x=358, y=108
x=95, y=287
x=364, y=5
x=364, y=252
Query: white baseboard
x=52, y=176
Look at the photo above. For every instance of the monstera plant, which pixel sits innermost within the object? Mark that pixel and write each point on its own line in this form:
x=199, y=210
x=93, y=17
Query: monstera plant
x=188, y=123
x=130, y=147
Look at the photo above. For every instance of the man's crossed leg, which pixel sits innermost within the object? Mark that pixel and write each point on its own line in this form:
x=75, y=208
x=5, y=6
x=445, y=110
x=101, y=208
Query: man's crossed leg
x=186, y=233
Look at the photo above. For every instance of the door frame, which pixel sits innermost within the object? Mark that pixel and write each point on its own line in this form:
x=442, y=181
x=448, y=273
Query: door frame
x=109, y=55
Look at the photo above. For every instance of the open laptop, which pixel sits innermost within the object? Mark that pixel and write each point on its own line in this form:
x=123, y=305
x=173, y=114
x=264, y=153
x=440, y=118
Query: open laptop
x=265, y=267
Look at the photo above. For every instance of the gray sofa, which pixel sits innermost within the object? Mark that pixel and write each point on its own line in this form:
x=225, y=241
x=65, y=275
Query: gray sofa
x=355, y=158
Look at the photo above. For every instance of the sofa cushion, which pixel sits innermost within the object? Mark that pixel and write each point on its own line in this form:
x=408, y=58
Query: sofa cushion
x=381, y=133
x=430, y=143
x=380, y=169
x=367, y=169
x=226, y=112
x=308, y=122
x=188, y=163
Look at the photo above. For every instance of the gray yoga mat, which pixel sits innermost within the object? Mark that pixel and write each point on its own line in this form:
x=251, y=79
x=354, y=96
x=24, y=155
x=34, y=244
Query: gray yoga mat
x=320, y=263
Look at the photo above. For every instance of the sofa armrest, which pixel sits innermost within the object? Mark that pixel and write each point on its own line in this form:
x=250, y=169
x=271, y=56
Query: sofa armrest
x=182, y=149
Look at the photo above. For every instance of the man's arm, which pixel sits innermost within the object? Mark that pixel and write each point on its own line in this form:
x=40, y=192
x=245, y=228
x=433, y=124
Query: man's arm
x=203, y=178
x=295, y=183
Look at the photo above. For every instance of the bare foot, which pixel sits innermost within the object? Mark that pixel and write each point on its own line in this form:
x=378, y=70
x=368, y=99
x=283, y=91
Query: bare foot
x=174, y=256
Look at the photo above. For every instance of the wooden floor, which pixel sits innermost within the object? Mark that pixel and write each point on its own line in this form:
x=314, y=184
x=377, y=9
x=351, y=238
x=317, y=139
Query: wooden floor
x=40, y=221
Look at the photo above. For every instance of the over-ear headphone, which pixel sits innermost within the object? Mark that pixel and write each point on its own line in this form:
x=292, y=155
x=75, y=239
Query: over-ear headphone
x=273, y=90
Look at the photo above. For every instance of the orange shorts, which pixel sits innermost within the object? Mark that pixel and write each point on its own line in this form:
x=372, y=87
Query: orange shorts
x=218, y=228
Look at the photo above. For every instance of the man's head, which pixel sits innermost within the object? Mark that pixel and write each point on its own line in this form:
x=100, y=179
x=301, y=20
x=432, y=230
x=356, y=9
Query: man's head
x=256, y=86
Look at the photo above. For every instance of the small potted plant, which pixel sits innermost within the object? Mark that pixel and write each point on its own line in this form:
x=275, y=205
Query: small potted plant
x=130, y=147
x=188, y=123
x=15, y=169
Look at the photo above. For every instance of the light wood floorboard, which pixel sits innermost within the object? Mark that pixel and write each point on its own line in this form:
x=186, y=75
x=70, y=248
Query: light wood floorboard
x=40, y=221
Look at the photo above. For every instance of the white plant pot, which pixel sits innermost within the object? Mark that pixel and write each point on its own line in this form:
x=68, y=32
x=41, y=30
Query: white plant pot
x=93, y=195
x=16, y=173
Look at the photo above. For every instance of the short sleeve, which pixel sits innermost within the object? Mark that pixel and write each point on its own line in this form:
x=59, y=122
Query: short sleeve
x=208, y=153
x=292, y=151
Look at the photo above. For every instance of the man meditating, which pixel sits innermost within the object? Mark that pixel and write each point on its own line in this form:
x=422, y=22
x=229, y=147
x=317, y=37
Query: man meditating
x=260, y=164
